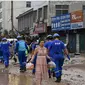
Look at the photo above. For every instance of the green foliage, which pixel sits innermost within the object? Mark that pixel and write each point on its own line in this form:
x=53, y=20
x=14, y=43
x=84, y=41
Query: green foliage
x=5, y=32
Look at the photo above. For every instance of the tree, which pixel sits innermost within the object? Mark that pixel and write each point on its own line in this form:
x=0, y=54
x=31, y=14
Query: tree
x=12, y=34
x=5, y=33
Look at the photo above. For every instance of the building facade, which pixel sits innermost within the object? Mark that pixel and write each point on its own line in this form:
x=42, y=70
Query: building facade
x=75, y=35
x=5, y=13
x=41, y=22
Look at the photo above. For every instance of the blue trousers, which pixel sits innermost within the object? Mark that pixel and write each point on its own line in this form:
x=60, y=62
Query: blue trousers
x=22, y=59
x=58, y=69
x=34, y=62
x=6, y=58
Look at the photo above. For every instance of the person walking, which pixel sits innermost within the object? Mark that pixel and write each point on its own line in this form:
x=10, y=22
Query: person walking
x=57, y=47
x=41, y=72
x=21, y=48
x=47, y=44
x=5, y=50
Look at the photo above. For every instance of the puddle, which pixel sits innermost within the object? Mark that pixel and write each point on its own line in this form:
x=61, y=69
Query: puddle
x=7, y=78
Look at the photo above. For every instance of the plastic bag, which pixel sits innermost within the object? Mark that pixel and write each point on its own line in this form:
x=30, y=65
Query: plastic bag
x=29, y=66
x=51, y=64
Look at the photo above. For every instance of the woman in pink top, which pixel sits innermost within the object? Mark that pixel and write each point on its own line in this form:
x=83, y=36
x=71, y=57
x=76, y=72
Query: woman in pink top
x=41, y=63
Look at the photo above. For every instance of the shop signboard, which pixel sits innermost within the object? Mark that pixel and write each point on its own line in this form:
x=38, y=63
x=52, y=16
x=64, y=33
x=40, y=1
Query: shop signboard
x=55, y=23
x=69, y=21
x=61, y=22
x=39, y=28
x=77, y=19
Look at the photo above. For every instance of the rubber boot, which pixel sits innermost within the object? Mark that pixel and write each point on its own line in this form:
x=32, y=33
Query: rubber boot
x=49, y=72
x=24, y=68
x=58, y=79
x=53, y=74
x=6, y=66
x=21, y=69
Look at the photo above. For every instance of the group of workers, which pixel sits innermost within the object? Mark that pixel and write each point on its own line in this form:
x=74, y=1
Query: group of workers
x=56, y=50
x=20, y=49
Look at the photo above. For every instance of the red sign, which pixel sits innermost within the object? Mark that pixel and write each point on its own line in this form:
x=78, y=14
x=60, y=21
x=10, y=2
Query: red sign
x=77, y=16
x=39, y=28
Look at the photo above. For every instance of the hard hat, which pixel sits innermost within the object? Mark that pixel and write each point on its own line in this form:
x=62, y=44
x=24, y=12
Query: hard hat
x=49, y=37
x=56, y=35
x=4, y=39
x=19, y=37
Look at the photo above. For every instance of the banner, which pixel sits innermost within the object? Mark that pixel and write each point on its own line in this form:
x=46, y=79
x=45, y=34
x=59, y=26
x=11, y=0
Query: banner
x=77, y=19
x=69, y=21
x=39, y=28
x=61, y=22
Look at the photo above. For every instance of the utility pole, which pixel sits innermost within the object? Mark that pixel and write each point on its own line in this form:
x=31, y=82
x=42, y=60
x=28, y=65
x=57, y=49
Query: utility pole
x=12, y=15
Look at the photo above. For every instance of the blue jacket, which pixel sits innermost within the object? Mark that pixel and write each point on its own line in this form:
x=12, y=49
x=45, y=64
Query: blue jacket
x=21, y=46
x=47, y=45
x=5, y=47
x=56, y=49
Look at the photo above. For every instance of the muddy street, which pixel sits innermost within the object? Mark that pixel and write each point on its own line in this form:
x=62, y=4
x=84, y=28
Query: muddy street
x=73, y=74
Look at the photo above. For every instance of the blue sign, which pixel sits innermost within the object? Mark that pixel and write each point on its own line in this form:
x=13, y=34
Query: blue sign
x=62, y=22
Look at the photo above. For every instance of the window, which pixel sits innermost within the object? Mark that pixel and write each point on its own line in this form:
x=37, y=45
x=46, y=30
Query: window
x=39, y=13
x=61, y=9
x=58, y=6
x=45, y=12
x=83, y=7
x=0, y=15
x=64, y=11
x=28, y=3
x=0, y=5
x=34, y=16
x=58, y=12
x=62, y=6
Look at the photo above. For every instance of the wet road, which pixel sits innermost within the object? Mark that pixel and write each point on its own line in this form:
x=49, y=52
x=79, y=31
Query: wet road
x=6, y=78
x=73, y=74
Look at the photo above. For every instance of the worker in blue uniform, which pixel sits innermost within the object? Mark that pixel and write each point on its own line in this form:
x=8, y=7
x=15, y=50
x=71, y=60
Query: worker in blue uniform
x=21, y=48
x=47, y=45
x=5, y=49
x=57, y=48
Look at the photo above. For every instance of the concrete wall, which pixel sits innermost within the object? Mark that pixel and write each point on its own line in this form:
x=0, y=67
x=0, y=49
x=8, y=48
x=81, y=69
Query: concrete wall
x=26, y=21
x=6, y=19
x=73, y=6
x=38, y=4
x=18, y=7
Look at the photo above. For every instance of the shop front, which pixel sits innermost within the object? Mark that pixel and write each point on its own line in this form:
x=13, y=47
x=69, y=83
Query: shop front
x=71, y=29
x=40, y=29
x=61, y=24
x=82, y=40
